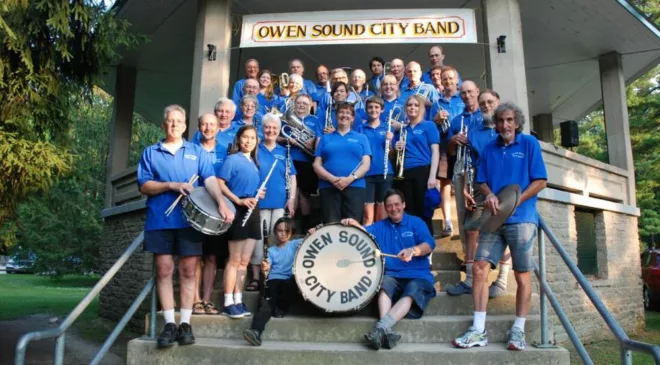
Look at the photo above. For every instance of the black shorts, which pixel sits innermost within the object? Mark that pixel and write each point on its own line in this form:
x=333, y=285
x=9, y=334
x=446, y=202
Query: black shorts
x=377, y=187
x=215, y=245
x=308, y=182
x=177, y=242
x=252, y=229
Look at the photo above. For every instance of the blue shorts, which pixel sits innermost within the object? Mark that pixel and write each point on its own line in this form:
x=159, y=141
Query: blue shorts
x=420, y=290
x=520, y=239
x=177, y=242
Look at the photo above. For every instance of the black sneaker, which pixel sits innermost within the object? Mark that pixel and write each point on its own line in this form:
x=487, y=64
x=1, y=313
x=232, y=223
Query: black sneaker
x=375, y=337
x=390, y=340
x=252, y=336
x=167, y=337
x=184, y=335
x=278, y=313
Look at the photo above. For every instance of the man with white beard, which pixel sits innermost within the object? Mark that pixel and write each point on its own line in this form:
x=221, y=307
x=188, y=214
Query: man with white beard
x=521, y=154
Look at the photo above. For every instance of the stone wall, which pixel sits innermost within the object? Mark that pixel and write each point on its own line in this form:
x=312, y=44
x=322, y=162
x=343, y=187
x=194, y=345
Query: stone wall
x=618, y=282
x=119, y=231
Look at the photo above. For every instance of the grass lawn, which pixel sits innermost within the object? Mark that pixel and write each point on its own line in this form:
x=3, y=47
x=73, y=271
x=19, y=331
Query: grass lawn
x=607, y=352
x=24, y=294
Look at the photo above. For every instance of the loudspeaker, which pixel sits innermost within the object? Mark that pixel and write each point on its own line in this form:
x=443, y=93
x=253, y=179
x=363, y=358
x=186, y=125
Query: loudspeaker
x=569, y=133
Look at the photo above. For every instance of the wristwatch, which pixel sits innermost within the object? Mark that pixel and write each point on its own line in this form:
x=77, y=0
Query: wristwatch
x=354, y=176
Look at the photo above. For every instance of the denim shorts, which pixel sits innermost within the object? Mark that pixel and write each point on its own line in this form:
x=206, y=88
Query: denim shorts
x=420, y=290
x=520, y=239
x=377, y=187
x=177, y=242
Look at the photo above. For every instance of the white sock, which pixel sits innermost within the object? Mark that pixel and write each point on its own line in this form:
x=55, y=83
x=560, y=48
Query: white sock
x=479, y=321
x=229, y=299
x=448, y=223
x=238, y=298
x=169, y=315
x=503, y=275
x=519, y=323
x=468, y=273
x=185, y=315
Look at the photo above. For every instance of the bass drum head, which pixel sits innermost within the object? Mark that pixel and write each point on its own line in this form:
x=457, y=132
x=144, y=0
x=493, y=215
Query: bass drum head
x=336, y=270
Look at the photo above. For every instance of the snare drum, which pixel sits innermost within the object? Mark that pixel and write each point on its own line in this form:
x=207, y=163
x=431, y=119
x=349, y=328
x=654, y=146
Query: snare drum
x=201, y=211
x=336, y=270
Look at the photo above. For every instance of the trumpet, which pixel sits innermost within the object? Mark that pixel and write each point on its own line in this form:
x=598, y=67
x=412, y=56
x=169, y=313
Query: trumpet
x=401, y=154
x=328, y=117
x=294, y=128
x=444, y=123
x=423, y=90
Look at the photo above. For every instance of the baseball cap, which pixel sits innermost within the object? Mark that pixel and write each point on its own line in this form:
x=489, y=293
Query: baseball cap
x=431, y=201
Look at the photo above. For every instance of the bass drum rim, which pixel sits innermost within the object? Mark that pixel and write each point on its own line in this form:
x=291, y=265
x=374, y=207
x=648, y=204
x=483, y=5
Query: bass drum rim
x=371, y=297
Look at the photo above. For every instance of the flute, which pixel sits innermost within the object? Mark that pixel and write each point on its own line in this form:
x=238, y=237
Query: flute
x=263, y=185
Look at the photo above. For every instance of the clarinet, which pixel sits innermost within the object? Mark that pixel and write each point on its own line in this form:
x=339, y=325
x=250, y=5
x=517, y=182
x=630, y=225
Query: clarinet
x=263, y=185
x=265, y=295
x=287, y=172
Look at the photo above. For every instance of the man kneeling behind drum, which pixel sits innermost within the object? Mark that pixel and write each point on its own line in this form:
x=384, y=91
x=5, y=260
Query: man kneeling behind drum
x=408, y=283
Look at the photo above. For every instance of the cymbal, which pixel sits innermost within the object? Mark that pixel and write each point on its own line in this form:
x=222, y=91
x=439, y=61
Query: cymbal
x=509, y=197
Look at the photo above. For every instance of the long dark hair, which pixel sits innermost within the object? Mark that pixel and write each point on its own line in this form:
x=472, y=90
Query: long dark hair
x=235, y=147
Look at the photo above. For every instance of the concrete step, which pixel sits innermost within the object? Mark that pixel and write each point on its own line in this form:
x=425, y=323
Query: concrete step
x=441, y=305
x=445, y=261
x=237, y=351
x=428, y=329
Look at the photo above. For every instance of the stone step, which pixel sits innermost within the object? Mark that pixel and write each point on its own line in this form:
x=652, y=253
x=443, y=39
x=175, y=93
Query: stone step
x=445, y=261
x=442, y=304
x=237, y=351
x=428, y=329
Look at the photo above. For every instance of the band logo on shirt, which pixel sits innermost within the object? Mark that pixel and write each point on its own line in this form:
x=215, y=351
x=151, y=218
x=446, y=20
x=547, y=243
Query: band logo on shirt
x=279, y=157
x=518, y=154
x=190, y=157
x=407, y=234
x=418, y=132
x=353, y=140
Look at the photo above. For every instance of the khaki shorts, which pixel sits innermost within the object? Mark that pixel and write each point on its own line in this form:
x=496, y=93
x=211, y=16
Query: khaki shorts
x=472, y=220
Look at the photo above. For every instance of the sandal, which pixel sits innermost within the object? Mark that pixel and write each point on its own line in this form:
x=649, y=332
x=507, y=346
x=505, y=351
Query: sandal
x=209, y=308
x=198, y=308
x=253, y=286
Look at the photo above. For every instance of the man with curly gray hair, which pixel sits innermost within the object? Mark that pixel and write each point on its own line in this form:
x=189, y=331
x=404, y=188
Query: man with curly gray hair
x=512, y=158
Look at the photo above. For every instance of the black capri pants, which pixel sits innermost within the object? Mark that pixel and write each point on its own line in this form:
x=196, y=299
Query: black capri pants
x=413, y=187
x=339, y=204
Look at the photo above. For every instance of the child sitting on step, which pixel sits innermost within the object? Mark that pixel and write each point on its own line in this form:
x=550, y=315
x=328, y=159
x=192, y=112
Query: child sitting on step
x=282, y=289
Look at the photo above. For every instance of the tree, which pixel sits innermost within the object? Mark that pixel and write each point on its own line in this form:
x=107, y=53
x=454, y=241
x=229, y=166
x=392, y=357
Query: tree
x=50, y=49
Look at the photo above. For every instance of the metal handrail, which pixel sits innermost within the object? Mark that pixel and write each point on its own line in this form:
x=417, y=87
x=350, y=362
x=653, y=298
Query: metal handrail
x=59, y=332
x=627, y=345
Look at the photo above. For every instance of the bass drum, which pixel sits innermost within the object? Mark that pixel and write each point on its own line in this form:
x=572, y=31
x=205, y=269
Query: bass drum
x=201, y=211
x=336, y=268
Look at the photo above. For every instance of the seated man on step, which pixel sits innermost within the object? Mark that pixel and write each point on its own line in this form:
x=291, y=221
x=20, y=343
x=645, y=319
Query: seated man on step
x=407, y=286
x=521, y=154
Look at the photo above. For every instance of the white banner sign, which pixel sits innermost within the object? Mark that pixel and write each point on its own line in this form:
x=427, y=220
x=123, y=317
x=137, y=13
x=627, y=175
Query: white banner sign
x=359, y=27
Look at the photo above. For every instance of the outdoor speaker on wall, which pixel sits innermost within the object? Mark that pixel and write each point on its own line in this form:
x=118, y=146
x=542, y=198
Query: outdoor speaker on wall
x=569, y=133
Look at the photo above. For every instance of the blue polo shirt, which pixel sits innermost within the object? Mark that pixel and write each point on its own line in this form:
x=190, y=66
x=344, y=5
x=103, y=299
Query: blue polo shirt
x=281, y=259
x=237, y=93
x=223, y=138
x=217, y=154
x=374, y=82
x=315, y=125
x=407, y=91
x=392, y=238
x=376, y=137
x=256, y=121
x=341, y=154
x=160, y=165
x=360, y=115
x=478, y=139
x=418, y=144
x=521, y=162
x=364, y=94
x=471, y=120
x=454, y=106
x=320, y=92
x=265, y=105
x=276, y=187
x=426, y=77
x=308, y=88
x=241, y=175
x=352, y=98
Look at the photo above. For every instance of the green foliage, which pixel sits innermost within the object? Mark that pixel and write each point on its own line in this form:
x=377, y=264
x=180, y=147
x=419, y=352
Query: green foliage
x=49, y=50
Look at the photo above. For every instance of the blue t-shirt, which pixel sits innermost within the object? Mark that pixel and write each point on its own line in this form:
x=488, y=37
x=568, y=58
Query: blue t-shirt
x=276, y=187
x=313, y=123
x=478, y=139
x=241, y=175
x=392, y=238
x=418, y=144
x=376, y=137
x=160, y=165
x=281, y=259
x=341, y=154
x=472, y=120
x=521, y=162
